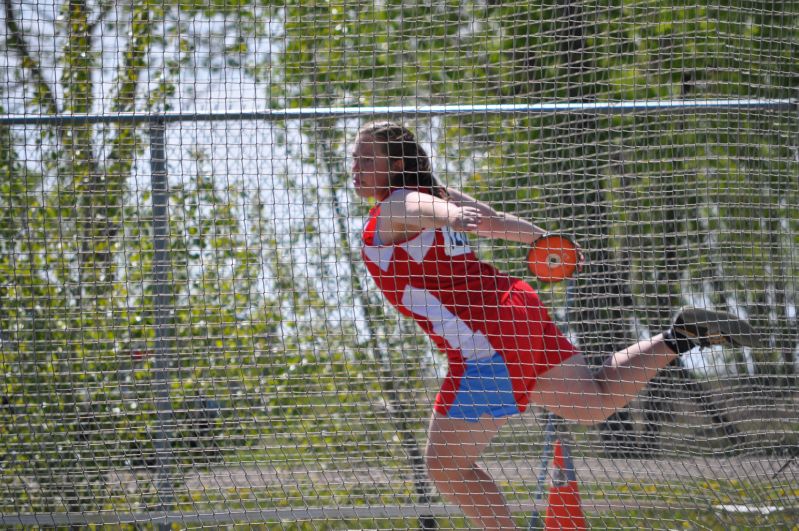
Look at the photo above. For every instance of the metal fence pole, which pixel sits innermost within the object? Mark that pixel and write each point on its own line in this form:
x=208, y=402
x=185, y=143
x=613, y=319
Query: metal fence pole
x=164, y=333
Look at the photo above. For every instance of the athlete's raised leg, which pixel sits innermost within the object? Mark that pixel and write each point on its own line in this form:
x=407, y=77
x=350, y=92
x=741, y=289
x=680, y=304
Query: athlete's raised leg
x=453, y=448
x=575, y=392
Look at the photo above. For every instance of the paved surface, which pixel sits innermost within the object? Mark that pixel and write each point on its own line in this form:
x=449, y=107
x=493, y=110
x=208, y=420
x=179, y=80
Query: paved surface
x=589, y=471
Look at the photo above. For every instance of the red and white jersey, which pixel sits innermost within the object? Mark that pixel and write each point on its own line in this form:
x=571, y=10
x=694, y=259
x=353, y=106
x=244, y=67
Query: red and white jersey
x=436, y=278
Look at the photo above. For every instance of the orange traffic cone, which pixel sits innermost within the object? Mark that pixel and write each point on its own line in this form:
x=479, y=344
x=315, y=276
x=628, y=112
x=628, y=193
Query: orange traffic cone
x=564, y=510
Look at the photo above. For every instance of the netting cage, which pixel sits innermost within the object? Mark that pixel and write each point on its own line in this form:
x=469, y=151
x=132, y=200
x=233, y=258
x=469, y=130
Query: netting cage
x=189, y=336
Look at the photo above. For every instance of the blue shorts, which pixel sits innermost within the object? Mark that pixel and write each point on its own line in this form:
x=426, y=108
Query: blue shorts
x=485, y=389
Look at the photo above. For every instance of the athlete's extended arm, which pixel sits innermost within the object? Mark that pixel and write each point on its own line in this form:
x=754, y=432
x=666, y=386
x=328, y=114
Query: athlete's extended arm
x=408, y=211
x=500, y=225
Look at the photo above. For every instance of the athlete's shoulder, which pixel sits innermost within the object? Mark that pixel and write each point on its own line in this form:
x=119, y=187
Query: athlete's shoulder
x=402, y=197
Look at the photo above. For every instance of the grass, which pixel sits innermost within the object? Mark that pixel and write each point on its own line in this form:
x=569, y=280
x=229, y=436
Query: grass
x=688, y=505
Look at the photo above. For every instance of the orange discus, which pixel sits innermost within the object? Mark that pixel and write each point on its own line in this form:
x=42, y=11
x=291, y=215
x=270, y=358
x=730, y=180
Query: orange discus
x=553, y=258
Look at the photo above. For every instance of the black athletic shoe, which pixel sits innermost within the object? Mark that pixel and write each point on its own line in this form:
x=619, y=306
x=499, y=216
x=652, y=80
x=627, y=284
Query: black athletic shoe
x=706, y=328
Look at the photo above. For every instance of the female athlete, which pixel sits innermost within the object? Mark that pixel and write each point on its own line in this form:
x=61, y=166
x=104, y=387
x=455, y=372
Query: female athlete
x=503, y=349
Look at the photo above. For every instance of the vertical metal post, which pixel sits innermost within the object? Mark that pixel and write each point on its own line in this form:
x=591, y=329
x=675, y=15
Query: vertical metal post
x=164, y=333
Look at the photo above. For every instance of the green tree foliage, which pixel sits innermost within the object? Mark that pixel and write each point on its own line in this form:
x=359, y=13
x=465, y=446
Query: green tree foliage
x=661, y=202
x=77, y=315
x=578, y=172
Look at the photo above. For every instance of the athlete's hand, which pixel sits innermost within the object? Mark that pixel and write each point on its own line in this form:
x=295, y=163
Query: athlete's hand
x=465, y=218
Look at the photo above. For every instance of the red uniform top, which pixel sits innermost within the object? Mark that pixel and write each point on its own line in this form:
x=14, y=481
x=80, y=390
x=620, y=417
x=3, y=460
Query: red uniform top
x=466, y=306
